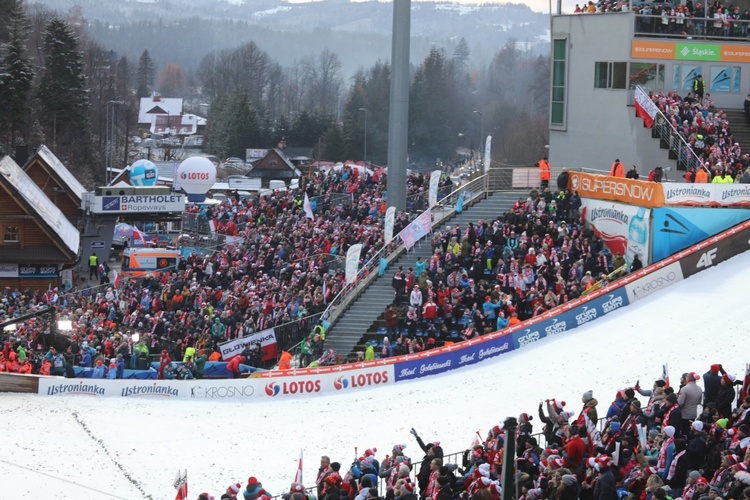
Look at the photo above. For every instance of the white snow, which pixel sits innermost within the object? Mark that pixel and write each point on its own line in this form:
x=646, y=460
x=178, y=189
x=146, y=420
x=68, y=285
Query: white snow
x=690, y=326
x=270, y=12
x=62, y=171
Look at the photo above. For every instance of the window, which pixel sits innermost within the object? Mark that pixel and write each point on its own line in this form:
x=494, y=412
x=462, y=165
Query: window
x=649, y=76
x=557, y=112
x=610, y=75
x=724, y=79
x=11, y=234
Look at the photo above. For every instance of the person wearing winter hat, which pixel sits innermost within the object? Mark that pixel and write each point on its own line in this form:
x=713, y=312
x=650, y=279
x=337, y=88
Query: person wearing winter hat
x=253, y=489
x=589, y=409
x=690, y=397
x=670, y=413
x=605, y=482
x=666, y=451
x=726, y=395
x=711, y=384
x=232, y=491
x=205, y=496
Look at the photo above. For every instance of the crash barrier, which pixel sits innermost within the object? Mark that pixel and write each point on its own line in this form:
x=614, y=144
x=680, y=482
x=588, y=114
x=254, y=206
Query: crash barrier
x=308, y=382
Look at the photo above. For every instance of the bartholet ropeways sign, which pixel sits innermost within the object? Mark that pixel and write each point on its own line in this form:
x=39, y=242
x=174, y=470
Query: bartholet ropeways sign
x=139, y=203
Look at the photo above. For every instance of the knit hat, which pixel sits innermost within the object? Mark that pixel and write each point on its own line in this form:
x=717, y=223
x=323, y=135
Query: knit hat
x=569, y=479
x=728, y=378
x=614, y=426
x=497, y=429
x=371, y=451
x=483, y=482
x=604, y=461
x=694, y=475
x=722, y=422
x=701, y=480
x=556, y=463
x=567, y=415
x=235, y=488
x=252, y=481
x=484, y=470
x=668, y=431
x=672, y=398
x=588, y=396
x=399, y=448
x=297, y=488
x=698, y=425
x=408, y=486
x=205, y=496
x=714, y=369
x=651, y=470
x=694, y=376
x=660, y=383
x=535, y=494
x=558, y=405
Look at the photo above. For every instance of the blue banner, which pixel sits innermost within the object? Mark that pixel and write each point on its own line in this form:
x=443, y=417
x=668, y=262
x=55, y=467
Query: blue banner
x=488, y=349
x=678, y=228
x=432, y=365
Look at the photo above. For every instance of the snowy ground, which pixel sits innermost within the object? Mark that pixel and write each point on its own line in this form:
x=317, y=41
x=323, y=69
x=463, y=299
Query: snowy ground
x=68, y=447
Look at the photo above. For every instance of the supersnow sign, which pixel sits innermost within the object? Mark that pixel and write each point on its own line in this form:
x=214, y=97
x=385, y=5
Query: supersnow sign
x=139, y=204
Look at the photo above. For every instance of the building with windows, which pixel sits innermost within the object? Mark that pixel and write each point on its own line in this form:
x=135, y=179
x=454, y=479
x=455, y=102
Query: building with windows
x=599, y=59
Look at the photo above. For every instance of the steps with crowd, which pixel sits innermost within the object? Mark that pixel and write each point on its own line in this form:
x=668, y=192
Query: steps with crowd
x=364, y=317
x=740, y=128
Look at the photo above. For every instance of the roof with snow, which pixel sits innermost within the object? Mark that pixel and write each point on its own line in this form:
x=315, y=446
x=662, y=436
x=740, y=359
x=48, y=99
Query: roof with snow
x=29, y=194
x=155, y=105
x=57, y=168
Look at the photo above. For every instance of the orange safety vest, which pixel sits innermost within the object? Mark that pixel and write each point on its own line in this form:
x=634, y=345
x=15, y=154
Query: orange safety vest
x=701, y=177
x=618, y=170
x=543, y=170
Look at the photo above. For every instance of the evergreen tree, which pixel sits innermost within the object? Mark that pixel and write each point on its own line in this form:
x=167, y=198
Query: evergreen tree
x=145, y=75
x=123, y=77
x=461, y=53
x=430, y=94
x=16, y=77
x=334, y=144
x=62, y=88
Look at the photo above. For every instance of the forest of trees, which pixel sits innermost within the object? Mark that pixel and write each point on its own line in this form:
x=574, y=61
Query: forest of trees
x=56, y=83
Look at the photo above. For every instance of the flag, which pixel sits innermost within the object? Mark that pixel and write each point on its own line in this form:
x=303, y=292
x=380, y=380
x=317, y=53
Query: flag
x=477, y=441
x=434, y=185
x=487, y=154
x=352, y=262
x=308, y=208
x=745, y=383
x=665, y=374
x=595, y=437
x=383, y=266
x=645, y=107
x=460, y=203
x=117, y=280
x=138, y=239
x=298, y=474
x=390, y=215
x=181, y=485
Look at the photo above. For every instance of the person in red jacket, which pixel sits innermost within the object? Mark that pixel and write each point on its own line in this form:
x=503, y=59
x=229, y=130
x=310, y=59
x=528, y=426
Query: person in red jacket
x=618, y=169
x=429, y=310
x=233, y=367
x=575, y=450
x=164, y=360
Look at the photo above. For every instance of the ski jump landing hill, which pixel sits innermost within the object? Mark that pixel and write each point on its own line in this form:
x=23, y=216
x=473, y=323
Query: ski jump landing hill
x=628, y=224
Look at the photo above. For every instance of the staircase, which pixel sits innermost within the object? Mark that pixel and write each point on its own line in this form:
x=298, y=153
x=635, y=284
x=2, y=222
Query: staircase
x=363, y=314
x=739, y=127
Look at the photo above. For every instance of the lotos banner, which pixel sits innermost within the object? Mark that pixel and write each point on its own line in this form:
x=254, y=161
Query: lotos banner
x=267, y=339
x=603, y=187
x=677, y=228
x=623, y=228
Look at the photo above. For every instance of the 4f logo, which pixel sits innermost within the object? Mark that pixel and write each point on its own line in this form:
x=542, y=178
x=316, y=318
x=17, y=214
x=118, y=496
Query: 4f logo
x=707, y=259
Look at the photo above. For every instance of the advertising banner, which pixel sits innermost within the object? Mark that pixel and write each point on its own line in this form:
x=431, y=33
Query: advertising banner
x=604, y=187
x=423, y=366
x=8, y=270
x=267, y=339
x=716, y=249
x=326, y=380
x=689, y=51
x=715, y=195
x=654, y=282
x=37, y=271
x=390, y=215
x=678, y=228
x=434, y=184
x=417, y=229
x=728, y=195
x=623, y=228
x=139, y=203
x=352, y=262
x=487, y=154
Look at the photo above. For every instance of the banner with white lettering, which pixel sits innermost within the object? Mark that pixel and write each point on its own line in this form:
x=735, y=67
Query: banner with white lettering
x=487, y=154
x=267, y=339
x=434, y=185
x=418, y=228
x=623, y=228
x=390, y=216
x=352, y=262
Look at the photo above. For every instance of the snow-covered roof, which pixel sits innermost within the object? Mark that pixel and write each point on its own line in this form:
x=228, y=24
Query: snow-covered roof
x=62, y=171
x=47, y=212
x=158, y=106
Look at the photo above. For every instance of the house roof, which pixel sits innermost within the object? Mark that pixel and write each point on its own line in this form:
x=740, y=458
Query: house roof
x=150, y=107
x=58, y=169
x=262, y=165
x=299, y=154
x=36, y=202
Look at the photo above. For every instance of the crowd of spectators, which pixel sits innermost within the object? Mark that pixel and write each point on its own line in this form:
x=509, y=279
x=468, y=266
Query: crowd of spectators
x=708, y=134
x=494, y=273
x=661, y=442
x=676, y=19
x=281, y=268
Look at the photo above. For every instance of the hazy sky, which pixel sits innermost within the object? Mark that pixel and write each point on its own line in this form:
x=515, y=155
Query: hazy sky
x=536, y=5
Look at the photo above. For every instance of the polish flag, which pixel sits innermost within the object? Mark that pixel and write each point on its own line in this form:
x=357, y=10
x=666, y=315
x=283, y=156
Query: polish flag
x=308, y=208
x=298, y=474
x=645, y=107
x=180, y=484
x=117, y=279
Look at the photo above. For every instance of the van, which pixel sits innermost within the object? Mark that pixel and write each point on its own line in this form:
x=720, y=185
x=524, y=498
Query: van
x=145, y=261
x=276, y=185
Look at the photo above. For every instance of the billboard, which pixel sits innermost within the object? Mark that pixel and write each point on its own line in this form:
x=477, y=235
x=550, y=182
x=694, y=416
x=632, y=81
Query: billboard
x=138, y=203
x=604, y=187
x=677, y=228
x=623, y=228
x=716, y=249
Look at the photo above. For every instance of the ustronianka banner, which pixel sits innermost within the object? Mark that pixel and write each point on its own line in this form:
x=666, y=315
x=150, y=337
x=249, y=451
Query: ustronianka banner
x=390, y=215
x=677, y=228
x=715, y=195
x=623, y=228
x=267, y=339
x=352, y=262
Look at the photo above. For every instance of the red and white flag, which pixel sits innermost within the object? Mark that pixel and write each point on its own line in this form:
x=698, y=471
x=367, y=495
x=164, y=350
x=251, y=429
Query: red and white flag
x=117, y=279
x=298, y=474
x=595, y=437
x=665, y=374
x=308, y=208
x=645, y=107
x=477, y=441
x=138, y=239
x=180, y=484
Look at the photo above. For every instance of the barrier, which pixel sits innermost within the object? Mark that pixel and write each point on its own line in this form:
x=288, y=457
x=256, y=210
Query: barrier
x=604, y=187
x=715, y=195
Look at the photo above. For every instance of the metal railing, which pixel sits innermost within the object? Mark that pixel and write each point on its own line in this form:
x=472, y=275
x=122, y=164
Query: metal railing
x=696, y=28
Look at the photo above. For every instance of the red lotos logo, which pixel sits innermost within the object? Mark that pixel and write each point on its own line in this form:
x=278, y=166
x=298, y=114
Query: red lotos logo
x=361, y=380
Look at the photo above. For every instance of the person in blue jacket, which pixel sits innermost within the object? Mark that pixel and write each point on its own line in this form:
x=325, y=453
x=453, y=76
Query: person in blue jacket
x=120, y=366
x=112, y=371
x=99, y=370
x=85, y=359
x=502, y=321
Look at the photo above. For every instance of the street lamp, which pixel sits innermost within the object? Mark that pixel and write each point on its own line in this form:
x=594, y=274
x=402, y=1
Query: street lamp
x=365, y=155
x=109, y=157
x=481, y=129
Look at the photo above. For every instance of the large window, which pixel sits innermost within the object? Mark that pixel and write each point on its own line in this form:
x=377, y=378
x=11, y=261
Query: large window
x=11, y=234
x=610, y=75
x=557, y=113
x=650, y=76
